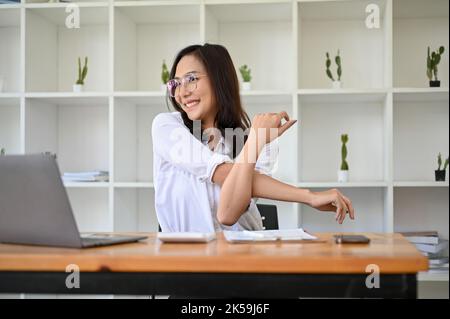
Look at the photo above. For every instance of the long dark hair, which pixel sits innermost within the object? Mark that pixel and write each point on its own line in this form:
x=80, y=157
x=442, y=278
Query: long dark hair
x=224, y=82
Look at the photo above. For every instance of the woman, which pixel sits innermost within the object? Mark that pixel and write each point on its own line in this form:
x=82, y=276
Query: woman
x=205, y=179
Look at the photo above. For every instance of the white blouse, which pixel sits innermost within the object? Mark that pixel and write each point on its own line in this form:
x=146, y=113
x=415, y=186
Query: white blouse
x=186, y=199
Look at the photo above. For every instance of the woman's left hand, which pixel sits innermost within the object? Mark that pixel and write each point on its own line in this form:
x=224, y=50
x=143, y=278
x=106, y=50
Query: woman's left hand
x=333, y=200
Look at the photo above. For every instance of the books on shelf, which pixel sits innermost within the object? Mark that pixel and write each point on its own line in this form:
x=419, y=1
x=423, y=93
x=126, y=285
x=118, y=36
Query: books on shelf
x=89, y=176
x=424, y=237
x=433, y=248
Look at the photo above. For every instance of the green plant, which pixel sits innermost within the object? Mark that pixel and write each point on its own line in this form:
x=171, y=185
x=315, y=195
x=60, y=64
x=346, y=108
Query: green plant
x=344, y=140
x=433, y=61
x=245, y=72
x=337, y=59
x=2, y=151
x=165, y=73
x=440, y=162
x=82, y=72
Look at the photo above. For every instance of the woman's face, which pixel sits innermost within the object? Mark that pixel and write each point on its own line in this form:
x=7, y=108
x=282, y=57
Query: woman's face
x=198, y=104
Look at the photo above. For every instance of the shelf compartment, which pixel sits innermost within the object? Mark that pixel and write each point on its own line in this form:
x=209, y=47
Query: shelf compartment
x=134, y=210
x=418, y=24
x=91, y=209
x=256, y=34
x=10, y=131
x=332, y=26
x=144, y=36
x=10, y=74
x=55, y=69
x=421, y=209
x=75, y=129
x=362, y=117
x=419, y=123
x=133, y=147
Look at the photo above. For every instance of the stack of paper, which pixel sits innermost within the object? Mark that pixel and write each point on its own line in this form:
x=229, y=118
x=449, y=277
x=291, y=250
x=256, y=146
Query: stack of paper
x=93, y=176
x=267, y=235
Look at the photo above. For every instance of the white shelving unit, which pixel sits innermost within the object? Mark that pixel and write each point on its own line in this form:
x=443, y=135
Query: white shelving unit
x=396, y=124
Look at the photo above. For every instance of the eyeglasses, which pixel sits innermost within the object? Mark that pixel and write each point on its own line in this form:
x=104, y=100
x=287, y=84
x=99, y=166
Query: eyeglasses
x=189, y=82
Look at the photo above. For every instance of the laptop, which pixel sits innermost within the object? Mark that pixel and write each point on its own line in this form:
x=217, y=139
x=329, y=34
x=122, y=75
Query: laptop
x=35, y=208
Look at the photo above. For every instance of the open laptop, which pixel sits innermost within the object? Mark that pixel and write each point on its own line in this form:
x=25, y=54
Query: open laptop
x=35, y=208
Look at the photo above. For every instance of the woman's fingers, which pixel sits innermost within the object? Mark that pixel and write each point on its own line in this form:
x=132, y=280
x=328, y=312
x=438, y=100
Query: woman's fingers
x=350, y=206
x=283, y=114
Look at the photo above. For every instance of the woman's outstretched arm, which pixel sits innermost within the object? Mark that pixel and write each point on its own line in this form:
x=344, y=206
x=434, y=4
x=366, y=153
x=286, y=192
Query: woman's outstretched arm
x=240, y=182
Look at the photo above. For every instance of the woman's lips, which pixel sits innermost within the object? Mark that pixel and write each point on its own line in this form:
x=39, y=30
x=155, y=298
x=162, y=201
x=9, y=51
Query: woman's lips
x=191, y=105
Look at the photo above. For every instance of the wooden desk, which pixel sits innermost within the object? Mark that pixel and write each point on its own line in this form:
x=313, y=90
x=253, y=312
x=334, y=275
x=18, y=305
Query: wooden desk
x=219, y=268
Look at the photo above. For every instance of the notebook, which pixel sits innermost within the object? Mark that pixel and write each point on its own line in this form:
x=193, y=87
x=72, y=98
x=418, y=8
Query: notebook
x=285, y=235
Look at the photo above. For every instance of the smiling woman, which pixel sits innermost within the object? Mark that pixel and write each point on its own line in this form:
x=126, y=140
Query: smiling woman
x=211, y=163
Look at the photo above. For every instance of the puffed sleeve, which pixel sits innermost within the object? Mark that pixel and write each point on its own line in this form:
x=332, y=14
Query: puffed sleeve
x=267, y=160
x=174, y=143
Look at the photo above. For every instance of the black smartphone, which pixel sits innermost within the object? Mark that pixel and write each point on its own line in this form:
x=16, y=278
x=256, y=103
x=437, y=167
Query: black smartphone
x=351, y=239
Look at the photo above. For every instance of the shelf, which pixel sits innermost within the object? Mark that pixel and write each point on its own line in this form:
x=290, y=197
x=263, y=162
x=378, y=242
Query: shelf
x=421, y=184
x=342, y=95
x=418, y=24
x=10, y=125
x=133, y=185
x=81, y=4
x=76, y=129
x=421, y=94
x=134, y=210
x=69, y=98
x=141, y=43
x=86, y=185
x=266, y=46
x=337, y=10
x=329, y=26
x=60, y=47
x=419, y=120
x=427, y=276
x=133, y=145
x=322, y=120
x=10, y=50
x=342, y=185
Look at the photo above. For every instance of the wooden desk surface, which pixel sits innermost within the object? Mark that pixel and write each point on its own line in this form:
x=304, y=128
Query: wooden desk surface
x=391, y=252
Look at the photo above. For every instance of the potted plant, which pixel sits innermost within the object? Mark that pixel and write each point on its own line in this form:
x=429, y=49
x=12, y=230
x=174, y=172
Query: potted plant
x=164, y=76
x=78, y=86
x=337, y=59
x=343, y=172
x=246, y=77
x=440, y=174
x=432, y=63
x=2, y=151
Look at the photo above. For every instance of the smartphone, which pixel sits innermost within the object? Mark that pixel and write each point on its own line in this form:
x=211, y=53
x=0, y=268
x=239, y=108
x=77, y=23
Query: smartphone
x=351, y=239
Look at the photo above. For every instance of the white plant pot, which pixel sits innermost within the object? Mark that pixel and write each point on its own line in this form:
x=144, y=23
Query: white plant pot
x=163, y=88
x=342, y=176
x=77, y=88
x=246, y=86
x=337, y=84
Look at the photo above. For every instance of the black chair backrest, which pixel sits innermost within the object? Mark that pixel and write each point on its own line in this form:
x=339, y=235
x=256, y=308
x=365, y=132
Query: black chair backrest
x=269, y=215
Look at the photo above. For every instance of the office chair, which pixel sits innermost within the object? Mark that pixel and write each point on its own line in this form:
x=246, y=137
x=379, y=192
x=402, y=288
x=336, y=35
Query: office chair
x=268, y=213
x=269, y=216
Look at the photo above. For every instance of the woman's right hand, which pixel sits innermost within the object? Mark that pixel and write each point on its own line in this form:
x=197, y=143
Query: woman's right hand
x=267, y=126
x=333, y=200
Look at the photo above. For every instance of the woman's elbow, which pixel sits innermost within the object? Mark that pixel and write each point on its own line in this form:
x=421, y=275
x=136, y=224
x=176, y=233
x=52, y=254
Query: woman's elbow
x=225, y=218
